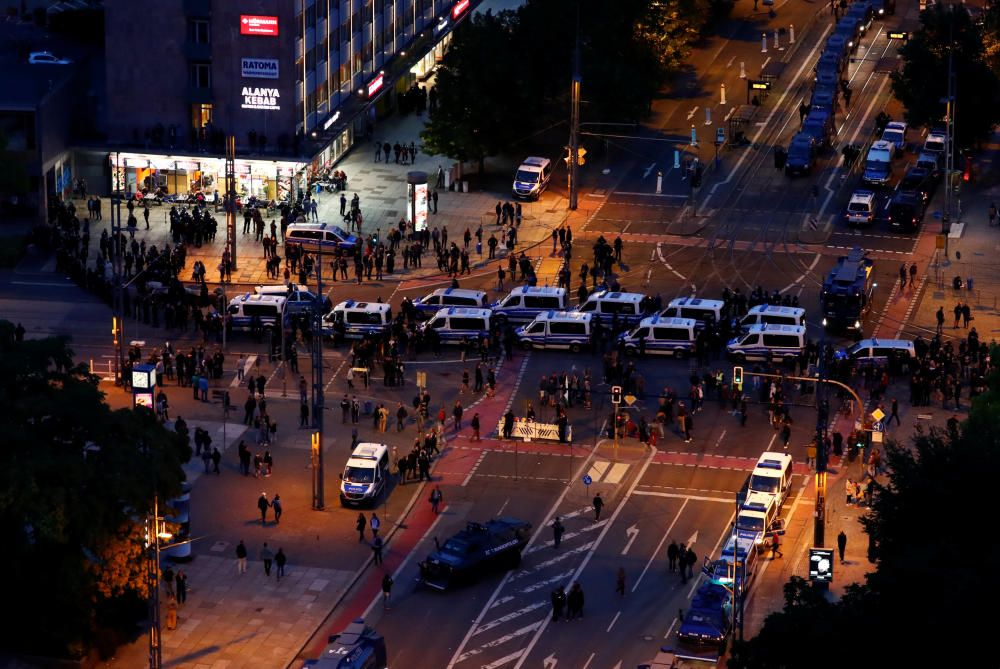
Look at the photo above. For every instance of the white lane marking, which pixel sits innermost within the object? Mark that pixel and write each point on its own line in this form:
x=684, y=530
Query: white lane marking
x=568, y=536
x=659, y=252
x=802, y=276
x=555, y=560
x=714, y=551
x=506, y=501
x=590, y=659
x=617, y=473
x=586, y=560
x=696, y=498
x=527, y=629
x=670, y=629
x=472, y=471
x=692, y=113
x=597, y=469
x=547, y=582
x=659, y=545
x=248, y=364
x=613, y=621
x=721, y=437
x=631, y=533
x=507, y=618
x=502, y=661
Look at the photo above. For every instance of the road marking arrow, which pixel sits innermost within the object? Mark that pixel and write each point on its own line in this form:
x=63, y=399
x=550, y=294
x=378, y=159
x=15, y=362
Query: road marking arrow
x=648, y=170
x=550, y=662
x=694, y=538
x=632, y=533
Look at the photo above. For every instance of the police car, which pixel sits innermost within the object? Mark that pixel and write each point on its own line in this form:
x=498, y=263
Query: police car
x=525, y=302
x=429, y=305
x=469, y=553
x=268, y=310
x=861, y=208
x=895, y=134
x=758, y=516
x=532, y=177
x=357, y=320
x=736, y=565
x=357, y=647
x=772, y=475
x=557, y=330
x=661, y=335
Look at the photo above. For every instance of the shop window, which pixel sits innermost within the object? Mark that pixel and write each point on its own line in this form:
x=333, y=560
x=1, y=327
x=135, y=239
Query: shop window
x=199, y=31
x=201, y=115
x=200, y=75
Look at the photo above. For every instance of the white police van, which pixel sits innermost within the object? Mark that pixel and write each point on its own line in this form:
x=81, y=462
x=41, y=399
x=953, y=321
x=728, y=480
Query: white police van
x=768, y=342
x=702, y=310
x=532, y=177
x=605, y=304
x=429, y=305
x=299, y=300
x=358, y=320
x=320, y=237
x=268, y=309
x=524, y=303
x=556, y=329
x=758, y=516
x=772, y=475
x=365, y=476
x=772, y=314
x=882, y=351
x=662, y=336
x=456, y=324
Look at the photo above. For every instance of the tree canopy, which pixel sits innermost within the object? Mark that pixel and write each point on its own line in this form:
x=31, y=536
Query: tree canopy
x=922, y=84
x=76, y=480
x=928, y=601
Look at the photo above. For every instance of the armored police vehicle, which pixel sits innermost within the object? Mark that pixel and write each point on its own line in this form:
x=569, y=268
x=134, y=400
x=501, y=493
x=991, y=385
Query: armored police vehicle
x=480, y=546
x=848, y=291
x=357, y=647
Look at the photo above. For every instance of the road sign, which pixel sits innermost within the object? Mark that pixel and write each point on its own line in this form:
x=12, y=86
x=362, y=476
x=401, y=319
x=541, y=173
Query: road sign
x=758, y=85
x=878, y=415
x=720, y=135
x=421, y=379
x=878, y=426
x=587, y=480
x=821, y=564
x=630, y=399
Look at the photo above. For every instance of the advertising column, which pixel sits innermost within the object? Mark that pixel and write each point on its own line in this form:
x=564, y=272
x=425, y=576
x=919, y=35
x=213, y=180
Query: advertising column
x=416, y=199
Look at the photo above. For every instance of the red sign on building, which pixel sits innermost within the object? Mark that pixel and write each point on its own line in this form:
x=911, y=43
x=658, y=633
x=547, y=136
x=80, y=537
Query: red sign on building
x=375, y=85
x=259, y=25
x=460, y=8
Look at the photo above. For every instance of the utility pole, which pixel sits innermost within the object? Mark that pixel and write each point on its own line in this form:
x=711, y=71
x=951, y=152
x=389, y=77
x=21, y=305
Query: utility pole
x=229, y=203
x=949, y=154
x=574, y=120
x=319, y=497
x=153, y=585
x=822, y=420
x=118, y=317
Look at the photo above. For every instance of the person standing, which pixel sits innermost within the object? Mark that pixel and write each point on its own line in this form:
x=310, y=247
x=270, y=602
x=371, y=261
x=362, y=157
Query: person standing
x=841, y=545
x=575, y=602
x=689, y=559
x=279, y=560
x=558, y=603
x=672, y=555
x=598, y=505
x=377, y=546
x=940, y=320
x=375, y=524
x=386, y=590
x=182, y=585
x=267, y=556
x=902, y=276
x=263, y=505
x=620, y=582
x=216, y=459
x=681, y=559
x=558, y=529
x=241, y=558
x=475, y=427
x=168, y=580
x=894, y=412
x=360, y=527
x=436, y=497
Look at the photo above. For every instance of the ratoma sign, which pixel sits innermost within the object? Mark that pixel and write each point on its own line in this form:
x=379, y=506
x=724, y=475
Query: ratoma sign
x=261, y=98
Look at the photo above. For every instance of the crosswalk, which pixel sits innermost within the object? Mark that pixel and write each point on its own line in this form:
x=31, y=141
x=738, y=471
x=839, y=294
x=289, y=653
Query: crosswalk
x=603, y=471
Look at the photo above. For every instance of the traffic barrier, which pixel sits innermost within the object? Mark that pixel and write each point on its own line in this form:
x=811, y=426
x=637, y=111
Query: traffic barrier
x=529, y=430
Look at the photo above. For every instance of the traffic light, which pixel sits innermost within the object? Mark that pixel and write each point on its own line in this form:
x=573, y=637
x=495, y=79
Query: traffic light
x=738, y=378
x=616, y=394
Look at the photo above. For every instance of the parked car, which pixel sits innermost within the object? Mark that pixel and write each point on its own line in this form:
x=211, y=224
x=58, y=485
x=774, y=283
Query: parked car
x=46, y=58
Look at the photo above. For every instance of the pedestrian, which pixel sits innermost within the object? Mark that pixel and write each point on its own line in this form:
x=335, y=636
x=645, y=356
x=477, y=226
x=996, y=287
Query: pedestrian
x=681, y=559
x=841, y=545
x=360, y=527
x=958, y=313
x=993, y=213
x=558, y=603
x=690, y=559
x=386, y=590
x=575, y=602
x=913, y=274
x=267, y=556
x=263, y=504
x=902, y=276
x=598, y=505
x=435, y=499
x=558, y=529
x=672, y=555
x=894, y=411
x=276, y=505
x=377, y=545
x=849, y=489
x=475, y=427
x=181, y=582
x=241, y=558
x=216, y=459
x=168, y=580
x=375, y=524
x=940, y=320
x=786, y=433
x=776, y=545
x=279, y=560
x=620, y=582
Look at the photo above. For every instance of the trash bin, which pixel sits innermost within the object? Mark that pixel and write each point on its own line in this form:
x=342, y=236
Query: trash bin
x=369, y=407
x=465, y=186
x=968, y=284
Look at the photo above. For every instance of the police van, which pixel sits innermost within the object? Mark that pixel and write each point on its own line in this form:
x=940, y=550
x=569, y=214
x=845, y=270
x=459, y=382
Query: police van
x=429, y=305
x=768, y=342
x=532, y=177
x=456, y=324
x=365, y=476
x=524, y=303
x=701, y=310
x=662, y=336
x=772, y=314
x=299, y=300
x=772, y=475
x=896, y=352
x=758, y=516
x=268, y=309
x=357, y=320
x=605, y=304
x=556, y=329
x=320, y=237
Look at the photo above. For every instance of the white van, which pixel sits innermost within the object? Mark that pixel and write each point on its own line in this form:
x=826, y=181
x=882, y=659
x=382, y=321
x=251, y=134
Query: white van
x=532, y=177
x=524, y=303
x=768, y=342
x=320, y=237
x=771, y=314
x=882, y=351
x=457, y=324
x=772, y=475
x=268, y=309
x=556, y=329
x=758, y=516
x=357, y=320
x=429, y=305
x=605, y=305
x=703, y=311
x=365, y=476
x=298, y=300
x=662, y=336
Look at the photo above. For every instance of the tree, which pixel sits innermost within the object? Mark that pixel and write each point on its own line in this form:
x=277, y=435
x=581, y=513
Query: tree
x=922, y=84
x=76, y=480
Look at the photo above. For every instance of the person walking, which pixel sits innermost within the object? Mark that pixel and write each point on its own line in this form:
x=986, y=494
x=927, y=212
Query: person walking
x=598, y=505
x=841, y=545
x=786, y=433
x=241, y=558
x=168, y=580
x=558, y=603
x=776, y=545
x=377, y=546
x=902, y=276
x=386, y=591
x=620, y=582
x=375, y=524
x=558, y=529
x=181, y=582
x=276, y=505
x=279, y=561
x=216, y=459
x=913, y=274
x=267, y=556
x=672, y=555
x=360, y=527
x=263, y=505
x=681, y=559
x=894, y=412
x=435, y=499
x=940, y=320
x=475, y=427
x=575, y=602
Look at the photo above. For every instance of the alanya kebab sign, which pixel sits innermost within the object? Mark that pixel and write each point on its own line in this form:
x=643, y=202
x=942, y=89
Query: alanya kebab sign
x=261, y=98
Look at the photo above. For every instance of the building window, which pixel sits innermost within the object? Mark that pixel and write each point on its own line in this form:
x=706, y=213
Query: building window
x=343, y=75
x=198, y=31
x=311, y=17
x=200, y=75
x=201, y=115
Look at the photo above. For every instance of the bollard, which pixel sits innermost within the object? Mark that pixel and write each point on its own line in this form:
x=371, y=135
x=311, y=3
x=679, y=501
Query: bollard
x=677, y=159
x=763, y=42
x=791, y=34
x=723, y=94
x=708, y=116
x=777, y=42
x=659, y=181
x=743, y=70
x=694, y=136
